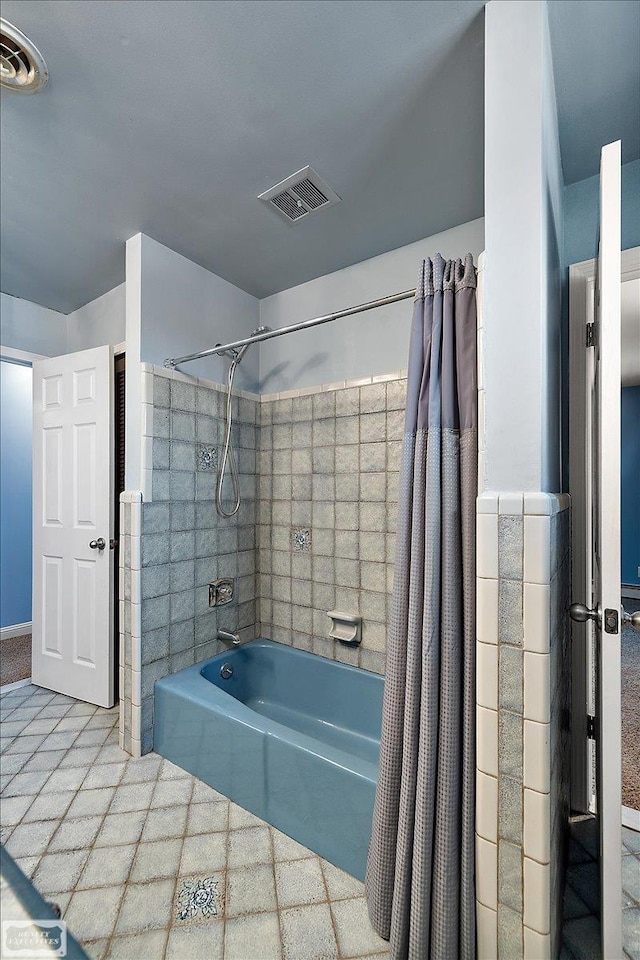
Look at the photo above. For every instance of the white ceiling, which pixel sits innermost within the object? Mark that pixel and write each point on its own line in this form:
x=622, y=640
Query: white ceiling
x=170, y=117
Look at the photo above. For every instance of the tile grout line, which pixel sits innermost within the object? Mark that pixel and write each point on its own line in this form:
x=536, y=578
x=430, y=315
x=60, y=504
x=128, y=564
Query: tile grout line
x=333, y=919
x=55, y=770
x=78, y=790
x=272, y=848
x=125, y=884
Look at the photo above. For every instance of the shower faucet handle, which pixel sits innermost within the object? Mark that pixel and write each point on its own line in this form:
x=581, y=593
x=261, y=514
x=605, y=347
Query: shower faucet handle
x=221, y=592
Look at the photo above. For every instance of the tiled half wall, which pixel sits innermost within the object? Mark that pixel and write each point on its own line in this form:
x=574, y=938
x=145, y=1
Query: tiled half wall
x=129, y=622
x=315, y=532
x=523, y=683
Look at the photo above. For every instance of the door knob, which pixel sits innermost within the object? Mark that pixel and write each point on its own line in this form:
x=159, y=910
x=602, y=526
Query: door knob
x=632, y=618
x=98, y=544
x=580, y=613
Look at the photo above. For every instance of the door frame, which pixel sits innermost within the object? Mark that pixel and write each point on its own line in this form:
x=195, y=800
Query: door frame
x=582, y=278
x=20, y=356
x=25, y=359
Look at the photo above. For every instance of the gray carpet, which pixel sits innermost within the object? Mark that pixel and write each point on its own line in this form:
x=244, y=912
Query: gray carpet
x=15, y=659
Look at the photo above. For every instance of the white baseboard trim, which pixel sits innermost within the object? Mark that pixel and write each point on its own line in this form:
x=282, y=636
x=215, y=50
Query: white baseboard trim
x=631, y=818
x=15, y=630
x=14, y=686
x=630, y=590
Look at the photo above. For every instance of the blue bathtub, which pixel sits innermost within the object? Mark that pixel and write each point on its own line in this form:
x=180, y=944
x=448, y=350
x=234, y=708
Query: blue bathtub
x=290, y=736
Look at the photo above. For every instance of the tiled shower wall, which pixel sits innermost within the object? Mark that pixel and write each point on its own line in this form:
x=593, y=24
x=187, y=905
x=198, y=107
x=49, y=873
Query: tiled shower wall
x=523, y=684
x=184, y=544
x=329, y=471
x=325, y=465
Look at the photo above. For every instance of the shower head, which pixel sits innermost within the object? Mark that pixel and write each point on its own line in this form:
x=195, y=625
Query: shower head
x=241, y=352
x=237, y=355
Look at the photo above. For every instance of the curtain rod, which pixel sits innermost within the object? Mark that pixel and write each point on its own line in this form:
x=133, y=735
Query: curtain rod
x=220, y=349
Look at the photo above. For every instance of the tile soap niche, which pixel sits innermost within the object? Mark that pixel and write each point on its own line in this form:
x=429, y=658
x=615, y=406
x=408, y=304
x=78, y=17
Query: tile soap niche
x=345, y=627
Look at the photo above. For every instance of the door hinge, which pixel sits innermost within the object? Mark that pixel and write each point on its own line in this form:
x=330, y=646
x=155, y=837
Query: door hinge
x=591, y=727
x=591, y=335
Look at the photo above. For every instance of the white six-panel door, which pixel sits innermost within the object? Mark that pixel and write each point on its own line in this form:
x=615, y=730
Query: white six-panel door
x=72, y=514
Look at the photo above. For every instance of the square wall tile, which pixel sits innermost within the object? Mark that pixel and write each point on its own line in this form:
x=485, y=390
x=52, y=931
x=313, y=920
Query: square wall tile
x=537, y=895
x=539, y=504
x=537, y=615
x=510, y=678
x=487, y=675
x=537, y=826
x=487, y=741
x=537, y=549
x=487, y=502
x=487, y=546
x=487, y=873
x=510, y=544
x=510, y=875
x=487, y=932
x=509, y=933
x=510, y=809
x=510, y=504
x=537, y=946
x=510, y=623
x=487, y=807
x=537, y=756
x=510, y=743
x=537, y=693
x=487, y=610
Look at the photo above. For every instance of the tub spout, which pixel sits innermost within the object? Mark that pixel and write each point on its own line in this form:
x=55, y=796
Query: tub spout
x=229, y=639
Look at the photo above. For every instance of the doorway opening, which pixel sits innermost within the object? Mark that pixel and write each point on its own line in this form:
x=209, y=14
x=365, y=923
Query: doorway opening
x=119, y=426
x=15, y=513
x=591, y=876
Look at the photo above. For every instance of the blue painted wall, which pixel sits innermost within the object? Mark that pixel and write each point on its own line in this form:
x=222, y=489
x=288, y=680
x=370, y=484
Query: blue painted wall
x=630, y=485
x=581, y=210
x=15, y=493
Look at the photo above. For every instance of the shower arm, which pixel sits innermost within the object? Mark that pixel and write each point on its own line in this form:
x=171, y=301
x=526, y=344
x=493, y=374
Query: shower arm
x=172, y=362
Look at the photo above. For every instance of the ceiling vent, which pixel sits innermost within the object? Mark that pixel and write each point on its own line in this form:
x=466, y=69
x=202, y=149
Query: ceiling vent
x=22, y=66
x=300, y=195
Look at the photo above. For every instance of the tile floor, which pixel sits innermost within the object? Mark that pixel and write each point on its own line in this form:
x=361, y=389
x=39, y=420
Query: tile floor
x=581, y=928
x=147, y=862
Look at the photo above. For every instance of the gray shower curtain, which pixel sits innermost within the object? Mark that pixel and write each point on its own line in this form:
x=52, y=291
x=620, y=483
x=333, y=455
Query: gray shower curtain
x=420, y=872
